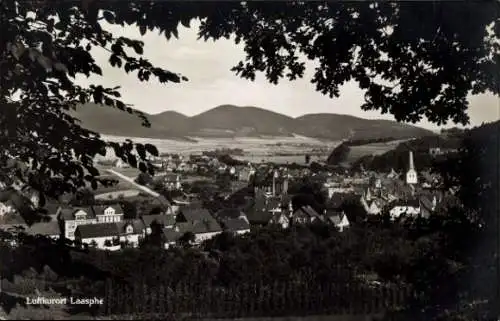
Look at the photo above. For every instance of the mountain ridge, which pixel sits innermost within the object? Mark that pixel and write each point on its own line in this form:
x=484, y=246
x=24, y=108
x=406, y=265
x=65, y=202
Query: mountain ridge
x=234, y=121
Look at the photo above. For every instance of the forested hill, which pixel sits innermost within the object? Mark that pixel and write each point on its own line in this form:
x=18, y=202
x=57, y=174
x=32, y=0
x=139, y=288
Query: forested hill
x=233, y=121
x=398, y=157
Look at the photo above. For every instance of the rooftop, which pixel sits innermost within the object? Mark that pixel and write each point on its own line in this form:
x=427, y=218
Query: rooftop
x=97, y=230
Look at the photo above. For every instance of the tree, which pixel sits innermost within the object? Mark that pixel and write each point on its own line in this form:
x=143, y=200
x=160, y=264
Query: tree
x=144, y=179
x=187, y=239
x=399, y=43
x=413, y=60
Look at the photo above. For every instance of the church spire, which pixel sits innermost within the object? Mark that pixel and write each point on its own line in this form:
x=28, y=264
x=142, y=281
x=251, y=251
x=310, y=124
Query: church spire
x=412, y=165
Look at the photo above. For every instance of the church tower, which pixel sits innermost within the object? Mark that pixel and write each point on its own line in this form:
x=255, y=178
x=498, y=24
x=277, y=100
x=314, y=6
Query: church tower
x=411, y=174
x=275, y=177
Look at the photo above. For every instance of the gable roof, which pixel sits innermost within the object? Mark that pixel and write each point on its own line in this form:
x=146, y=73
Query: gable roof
x=308, y=211
x=97, y=230
x=137, y=225
x=229, y=213
x=199, y=227
x=68, y=213
x=196, y=214
x=163, y=219
x=171, y=235
x=99, y=209
x=338, y=218
x=236, y=224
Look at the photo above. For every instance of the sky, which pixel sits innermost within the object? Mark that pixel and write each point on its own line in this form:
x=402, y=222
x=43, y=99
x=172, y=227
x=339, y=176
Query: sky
x=211, y=83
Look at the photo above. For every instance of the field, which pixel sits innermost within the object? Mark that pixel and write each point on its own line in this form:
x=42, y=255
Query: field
x=371, y=149
x=255, y=149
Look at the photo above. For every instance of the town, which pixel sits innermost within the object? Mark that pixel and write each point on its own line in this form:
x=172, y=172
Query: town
x=192, y=199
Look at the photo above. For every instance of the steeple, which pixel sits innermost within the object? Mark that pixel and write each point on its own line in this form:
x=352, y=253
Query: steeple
x=411, y=174
x=275, y=176
x=412, y=166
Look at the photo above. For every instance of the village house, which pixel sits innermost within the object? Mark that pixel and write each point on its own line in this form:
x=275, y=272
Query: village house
x=282, y=219
x=108, y=213
x=104, y=236
x=70, y=218
x=172, y=182
x=170, y=237
x=131, y=232
x=199, y=222
x=237, y=226
x=338, y=219
x=165, y=221
x=305, y=215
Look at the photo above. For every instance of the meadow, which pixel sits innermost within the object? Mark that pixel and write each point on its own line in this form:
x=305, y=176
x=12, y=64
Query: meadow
x=279, y=150
x=255, y=149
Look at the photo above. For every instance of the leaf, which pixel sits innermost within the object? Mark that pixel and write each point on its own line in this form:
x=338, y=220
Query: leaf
x=151, y=149
x=120, y=105
x=108, y=15
x=138, y=48
x=141, y=150
x=186, y=22
x=108, y=101
x=132, y=160
x=142, y=30
x=93, y=171
x=142, y=167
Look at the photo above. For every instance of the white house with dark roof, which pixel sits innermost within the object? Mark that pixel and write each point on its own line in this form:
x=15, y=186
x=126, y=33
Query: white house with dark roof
x=131, y=232
x=338, y=219
x=165, y=220
x=104, y=236
x=305, y=214
x=71, y=218
x=202, y=230
x=170, y=236
x=108, y=213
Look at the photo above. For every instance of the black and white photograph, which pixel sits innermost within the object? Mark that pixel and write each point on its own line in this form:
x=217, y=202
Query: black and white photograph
x=249, y=160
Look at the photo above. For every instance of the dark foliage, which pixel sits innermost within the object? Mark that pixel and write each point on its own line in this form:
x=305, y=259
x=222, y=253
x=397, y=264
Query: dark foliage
x=339, y=154
x=398, y=158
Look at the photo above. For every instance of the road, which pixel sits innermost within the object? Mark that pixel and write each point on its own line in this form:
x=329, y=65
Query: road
x=131, y=180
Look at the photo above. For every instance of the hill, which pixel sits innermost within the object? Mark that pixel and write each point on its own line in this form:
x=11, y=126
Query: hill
x=337, y=127
x=233, y=121
x=243, y=121
x=398, y=157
